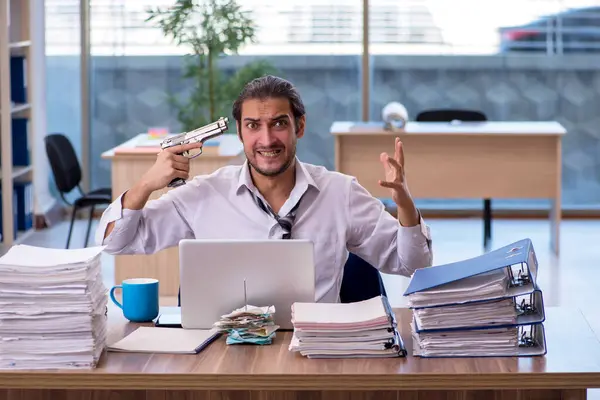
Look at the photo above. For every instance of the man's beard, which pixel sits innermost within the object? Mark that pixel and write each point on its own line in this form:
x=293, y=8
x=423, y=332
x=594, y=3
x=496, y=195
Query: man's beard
x=276, y=172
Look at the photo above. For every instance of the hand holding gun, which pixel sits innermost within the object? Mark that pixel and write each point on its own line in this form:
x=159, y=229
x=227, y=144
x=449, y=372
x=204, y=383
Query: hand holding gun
x=185, y=140
x=172, y=166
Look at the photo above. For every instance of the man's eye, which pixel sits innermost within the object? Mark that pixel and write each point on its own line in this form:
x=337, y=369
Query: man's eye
x=251, y=125
x=281, y=123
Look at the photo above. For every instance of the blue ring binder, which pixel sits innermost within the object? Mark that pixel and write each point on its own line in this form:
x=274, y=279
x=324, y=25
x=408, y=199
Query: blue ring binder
x=489, y=305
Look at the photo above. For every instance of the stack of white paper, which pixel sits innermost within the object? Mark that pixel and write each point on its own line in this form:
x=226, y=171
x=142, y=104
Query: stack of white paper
x=467, y=343
x=361, y=329
x=52, y=308
x=496, y=312
x=490, y=285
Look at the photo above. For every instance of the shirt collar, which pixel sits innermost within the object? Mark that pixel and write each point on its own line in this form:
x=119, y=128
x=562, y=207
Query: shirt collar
x=303, y=178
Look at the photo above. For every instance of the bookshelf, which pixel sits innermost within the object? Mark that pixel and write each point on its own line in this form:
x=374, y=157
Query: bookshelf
x=16, y=119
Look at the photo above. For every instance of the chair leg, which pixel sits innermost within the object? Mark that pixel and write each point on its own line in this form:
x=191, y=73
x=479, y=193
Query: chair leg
x=487, y=221
x=89, y=226
x=71, y=225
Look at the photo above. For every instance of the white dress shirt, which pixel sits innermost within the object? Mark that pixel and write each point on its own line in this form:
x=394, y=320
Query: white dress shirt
x=336, y=213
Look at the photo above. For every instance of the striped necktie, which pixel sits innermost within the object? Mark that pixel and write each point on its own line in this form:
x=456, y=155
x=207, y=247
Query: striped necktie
x=285, y=222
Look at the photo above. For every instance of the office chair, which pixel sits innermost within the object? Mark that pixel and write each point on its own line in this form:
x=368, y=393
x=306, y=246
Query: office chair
x=447, y=115
x=361, y=281
x=67, y=175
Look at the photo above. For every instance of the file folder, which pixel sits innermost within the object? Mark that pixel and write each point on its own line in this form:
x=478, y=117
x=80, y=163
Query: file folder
x=517, y=261
x=486, y=306
x=530, y=341
x=528, y=310
x=361, y=329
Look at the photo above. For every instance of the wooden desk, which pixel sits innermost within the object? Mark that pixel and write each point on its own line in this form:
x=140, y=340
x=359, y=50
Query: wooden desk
x=128, y=163
x=496, y=160
x=272, y=372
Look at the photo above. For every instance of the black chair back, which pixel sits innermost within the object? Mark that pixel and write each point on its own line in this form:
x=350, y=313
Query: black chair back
x=361, y=281
x=447, y=115
x=63, y=161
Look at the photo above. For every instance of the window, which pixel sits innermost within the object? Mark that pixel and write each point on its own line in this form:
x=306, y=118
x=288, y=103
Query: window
x=513, y=59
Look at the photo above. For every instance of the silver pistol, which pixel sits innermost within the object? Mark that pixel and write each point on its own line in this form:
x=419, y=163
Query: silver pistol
x=199, y=135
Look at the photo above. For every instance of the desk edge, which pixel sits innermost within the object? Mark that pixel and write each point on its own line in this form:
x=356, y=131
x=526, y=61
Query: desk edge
x=192, y=381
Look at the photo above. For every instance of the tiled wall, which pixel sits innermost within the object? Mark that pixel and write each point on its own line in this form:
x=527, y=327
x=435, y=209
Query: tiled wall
x=129, y=97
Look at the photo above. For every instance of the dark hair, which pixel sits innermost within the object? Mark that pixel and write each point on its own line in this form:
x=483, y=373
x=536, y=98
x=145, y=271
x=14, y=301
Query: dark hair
x=270, y=86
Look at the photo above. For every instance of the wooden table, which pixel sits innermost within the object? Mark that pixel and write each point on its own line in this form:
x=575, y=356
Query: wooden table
x=477, y=160
x=272, y=372
x=129, y=161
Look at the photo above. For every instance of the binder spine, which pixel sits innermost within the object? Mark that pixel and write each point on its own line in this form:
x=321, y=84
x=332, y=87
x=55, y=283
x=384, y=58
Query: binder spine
x=398, y=344
x=390, y=312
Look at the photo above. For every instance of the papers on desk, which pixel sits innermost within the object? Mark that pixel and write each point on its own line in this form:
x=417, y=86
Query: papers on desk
x=249, y=324
x=489, y=305
x=350, y=330
x=52, y=308
x=491, y=285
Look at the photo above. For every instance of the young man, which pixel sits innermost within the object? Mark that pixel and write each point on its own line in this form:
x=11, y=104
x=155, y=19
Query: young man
x=273, y=195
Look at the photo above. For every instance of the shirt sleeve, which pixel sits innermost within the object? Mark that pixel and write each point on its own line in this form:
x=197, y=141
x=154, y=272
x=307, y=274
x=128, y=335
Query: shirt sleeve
x=162, y=223
x=379, y=238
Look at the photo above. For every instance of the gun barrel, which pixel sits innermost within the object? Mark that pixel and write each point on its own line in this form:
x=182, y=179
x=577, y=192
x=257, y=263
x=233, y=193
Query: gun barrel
x=219, y=125
x=199, y=134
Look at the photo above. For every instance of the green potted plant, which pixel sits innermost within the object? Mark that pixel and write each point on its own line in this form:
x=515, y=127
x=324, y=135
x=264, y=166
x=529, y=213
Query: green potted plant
x=210, y=30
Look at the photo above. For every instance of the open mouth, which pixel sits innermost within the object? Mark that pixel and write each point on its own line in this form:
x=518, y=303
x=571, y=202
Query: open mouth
x=270, y=153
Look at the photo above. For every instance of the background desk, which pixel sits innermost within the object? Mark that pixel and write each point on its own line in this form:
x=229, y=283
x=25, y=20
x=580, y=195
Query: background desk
x=511, y=160
x=272, y=372
x=129, y=163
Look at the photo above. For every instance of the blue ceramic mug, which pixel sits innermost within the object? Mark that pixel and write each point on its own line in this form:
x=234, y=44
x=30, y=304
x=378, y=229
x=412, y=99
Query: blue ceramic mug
x=140, y=299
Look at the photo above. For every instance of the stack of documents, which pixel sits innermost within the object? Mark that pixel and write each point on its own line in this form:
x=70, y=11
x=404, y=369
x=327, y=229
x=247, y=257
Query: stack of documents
x=489, y=305
x=249, y=324
x=52, y=308
x=346, y=330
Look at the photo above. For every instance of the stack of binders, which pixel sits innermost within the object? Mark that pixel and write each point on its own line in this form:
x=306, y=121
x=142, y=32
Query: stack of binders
x=346, y=330
x=53, y=313
x=489, y=305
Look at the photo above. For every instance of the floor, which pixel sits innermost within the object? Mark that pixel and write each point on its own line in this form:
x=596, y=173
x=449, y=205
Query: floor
x=570, y=280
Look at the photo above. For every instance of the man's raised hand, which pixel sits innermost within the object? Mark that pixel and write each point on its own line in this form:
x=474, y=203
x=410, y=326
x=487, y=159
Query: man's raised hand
x=395, y=178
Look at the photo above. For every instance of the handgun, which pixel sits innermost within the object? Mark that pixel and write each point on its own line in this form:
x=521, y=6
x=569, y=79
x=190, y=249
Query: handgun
x=199, y=135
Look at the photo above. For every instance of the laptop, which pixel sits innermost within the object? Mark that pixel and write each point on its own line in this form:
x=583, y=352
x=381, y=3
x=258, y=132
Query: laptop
x=277, y=272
